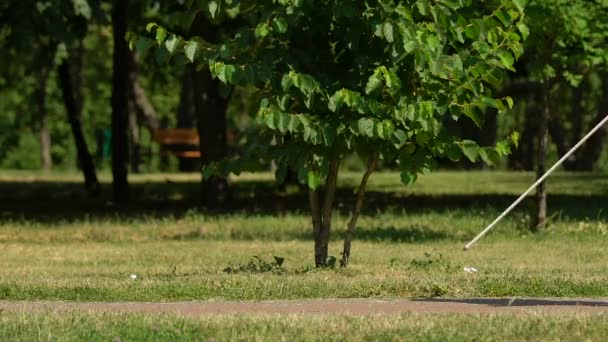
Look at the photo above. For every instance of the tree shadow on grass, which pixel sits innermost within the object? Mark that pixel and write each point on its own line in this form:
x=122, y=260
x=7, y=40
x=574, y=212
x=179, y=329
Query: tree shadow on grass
x=413, y=233
x=49, y=202
x=502, y=302
x=409, y=234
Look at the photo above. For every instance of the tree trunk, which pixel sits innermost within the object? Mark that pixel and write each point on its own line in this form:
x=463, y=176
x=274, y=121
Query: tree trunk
x=186, y=116
x=84, y=158
x=315, y=211
x=45, y=136
x=352, y=224
x=78, y=72
x=135, y=147
x=211, y=125
x=321, y=208
x=541, y=191
x=558, y=136
x=120, y=93
x=558, y=133
x=210, y=107
x=594, y=146
x=523, y=157
x=327, y=209
x=143, y=105
x=577, y=114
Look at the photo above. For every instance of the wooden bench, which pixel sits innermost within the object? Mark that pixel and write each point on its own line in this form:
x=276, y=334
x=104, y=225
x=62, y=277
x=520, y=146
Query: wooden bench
x=184, y=142
x=180, y=142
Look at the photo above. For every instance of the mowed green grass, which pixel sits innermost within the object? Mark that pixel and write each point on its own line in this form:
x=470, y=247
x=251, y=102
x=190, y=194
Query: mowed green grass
x=409, y=245
x=78, y=326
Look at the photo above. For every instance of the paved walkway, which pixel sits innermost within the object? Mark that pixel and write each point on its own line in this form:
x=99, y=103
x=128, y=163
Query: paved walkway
x=331, y=306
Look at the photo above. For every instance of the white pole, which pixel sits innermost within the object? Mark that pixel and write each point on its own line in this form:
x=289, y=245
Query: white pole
x=540, y=180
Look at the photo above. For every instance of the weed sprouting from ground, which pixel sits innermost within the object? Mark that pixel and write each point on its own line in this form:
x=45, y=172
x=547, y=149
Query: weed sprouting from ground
x=258, y=265
x=433, y=260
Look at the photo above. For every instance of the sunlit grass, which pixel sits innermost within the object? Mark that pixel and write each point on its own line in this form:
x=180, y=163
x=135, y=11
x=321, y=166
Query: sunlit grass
x=406, y=248
x=421, y=327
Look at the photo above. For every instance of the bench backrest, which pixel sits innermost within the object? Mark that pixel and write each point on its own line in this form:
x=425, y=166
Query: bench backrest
x=176, y=136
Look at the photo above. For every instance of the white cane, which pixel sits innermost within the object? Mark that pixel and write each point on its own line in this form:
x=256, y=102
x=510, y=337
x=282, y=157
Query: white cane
x=540, y=180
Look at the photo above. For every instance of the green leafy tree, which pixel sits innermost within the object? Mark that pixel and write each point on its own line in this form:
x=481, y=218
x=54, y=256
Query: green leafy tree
x=378, y=78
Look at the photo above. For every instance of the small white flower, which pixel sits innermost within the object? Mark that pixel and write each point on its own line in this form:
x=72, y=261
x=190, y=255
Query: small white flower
x=133, y=276
x=470, y=269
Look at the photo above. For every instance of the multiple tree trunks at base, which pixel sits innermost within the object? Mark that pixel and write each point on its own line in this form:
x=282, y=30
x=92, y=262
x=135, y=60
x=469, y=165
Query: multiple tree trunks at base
x=321, y=207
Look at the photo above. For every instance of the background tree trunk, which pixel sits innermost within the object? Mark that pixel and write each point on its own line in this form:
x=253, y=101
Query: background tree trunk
x=594, y=146
x=141, y=102
x=135, y=146
x=543, y=137
x=210, y=107
x=84, y=158
x=45, y=136
x=186, y=116
x=120, y=93
x=523, y=157
x=211, y=125
x=78, y=64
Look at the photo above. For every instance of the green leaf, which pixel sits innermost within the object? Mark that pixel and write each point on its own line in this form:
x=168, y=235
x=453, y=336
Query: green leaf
x=161, y=35
x=191, y=50
x=294, y=124
x=283, y=121
x=524, y=30
x=453, y=152
x=408, y=177
x=374, y=81
x=366, y=127
x=279, y=25
x=384, y=130
x=262, y=30
x=329, y=135
x=305, y=83
x=151, y=26
x=490, y=102
x=82, y=8
x=143, y=44
x=470, y=149
x=399, y=138
x=489, y=156
x=314, y=179
x=514, y=137
x=336, y=101
x=227, y=73
x=387, y=30
x=172, y=43
x=520, y=4
x=503, y=148
x=506, y=59
x=213, y=8
x=504, y=18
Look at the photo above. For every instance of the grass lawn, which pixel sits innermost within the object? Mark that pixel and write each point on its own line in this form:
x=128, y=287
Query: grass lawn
x=421, y=327
x=58, y=245
x=411, y=247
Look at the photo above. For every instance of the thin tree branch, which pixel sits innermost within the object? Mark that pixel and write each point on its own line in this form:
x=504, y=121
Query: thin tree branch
x=371, y=167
